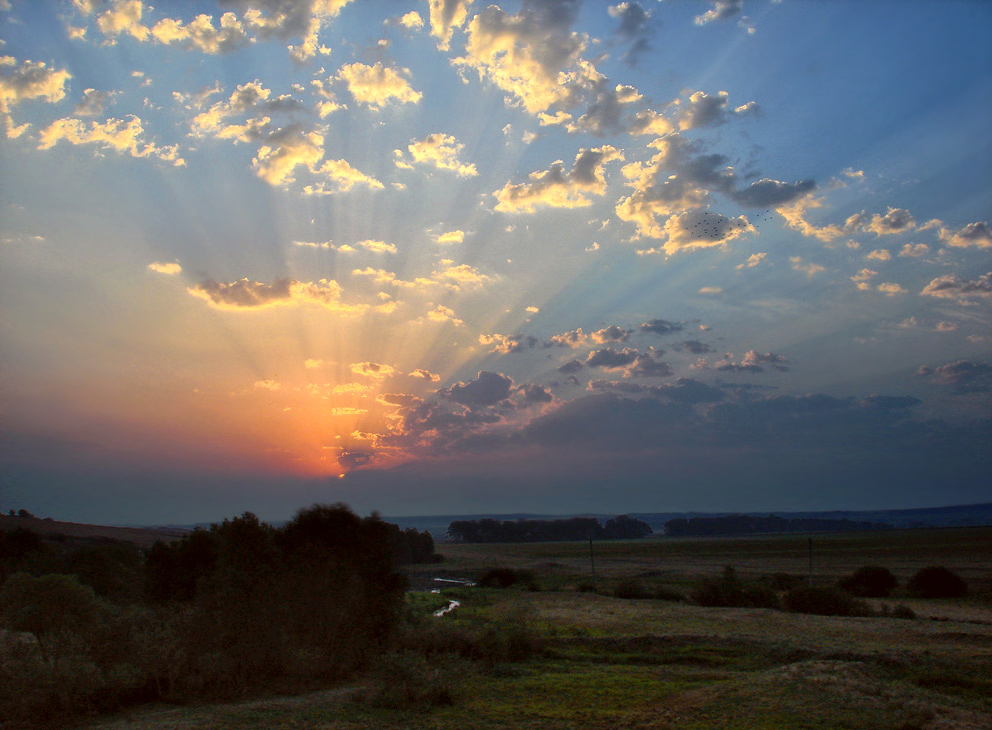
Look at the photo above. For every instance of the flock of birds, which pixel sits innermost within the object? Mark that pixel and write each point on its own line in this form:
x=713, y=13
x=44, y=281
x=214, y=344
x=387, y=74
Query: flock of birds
x=717, y=227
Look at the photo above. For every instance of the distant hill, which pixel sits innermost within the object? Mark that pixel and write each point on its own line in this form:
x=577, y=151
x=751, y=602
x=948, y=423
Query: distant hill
x=140, y=536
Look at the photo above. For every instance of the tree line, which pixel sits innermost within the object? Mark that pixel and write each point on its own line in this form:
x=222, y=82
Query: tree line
x=574, y=528
x=217, y=613
x=754, y=525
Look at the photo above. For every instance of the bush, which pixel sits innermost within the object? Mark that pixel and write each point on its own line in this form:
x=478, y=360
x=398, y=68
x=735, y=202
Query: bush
x=870, y=581
x=410, y=681
x=824, y=601
x=936, y=581
x=664, y=593
x=506, y=577
x=631, y=588
x=729, y=591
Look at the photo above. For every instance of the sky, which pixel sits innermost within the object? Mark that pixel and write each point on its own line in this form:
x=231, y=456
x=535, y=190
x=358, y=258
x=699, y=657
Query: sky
x=444, y=257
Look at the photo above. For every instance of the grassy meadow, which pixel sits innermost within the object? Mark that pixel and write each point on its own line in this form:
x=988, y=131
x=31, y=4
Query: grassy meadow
x=565, y=652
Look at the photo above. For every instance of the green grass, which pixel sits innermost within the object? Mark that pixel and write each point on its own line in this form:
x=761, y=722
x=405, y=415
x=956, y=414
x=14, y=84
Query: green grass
x=650, y=664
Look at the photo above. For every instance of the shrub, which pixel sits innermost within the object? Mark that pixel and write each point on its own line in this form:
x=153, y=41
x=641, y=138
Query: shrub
x=824, y=601
x=506, y=577
x=729, y=591
x=664, y=593
x=631, y=588
x=936, y=581
x=870, y=581
x=410, y=681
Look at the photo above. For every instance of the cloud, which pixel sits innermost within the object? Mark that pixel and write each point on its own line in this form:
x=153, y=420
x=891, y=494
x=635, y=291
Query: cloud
x=880, y=254
x=533, y=55
x=451, y=237
x=377, y=246
x=445, y=16
x=458, y=275
x=245, y=295
x=377, y=85
x=862, y=278
x=753, y=260
x=374, y=370
x=795, y=211
x=914, y=251
x=532, y=393
x=248, y=98
x=29, y=80
x=573, y=338
x=267, y=385
x=611, y=333
x=964, y=376
x=117, y=134
x=533, y=310
x=773, y=193
x=889, y=289
x=611, y=359
x=694, y=346
x=752, y=362
x=440, y=313
x=348, y=411
x=170, y=268
x=810, y=269
x=93, y=102
x=660, y=327
x=557, y=189
x=651, y=122
x=636, y=29
x=487, y=389
x=702, y=229
x=721, y=10
x=604, y=115
x=572, y=366
x=439, y=150
x=311, y=363
x=977, y=234
x=412, y=20
x=711, y=290
x=702, y=110
x=286, y=149
x=952, y=286
x=290, y=19
x=201, y=35
x=427, y=375
x=897, y=220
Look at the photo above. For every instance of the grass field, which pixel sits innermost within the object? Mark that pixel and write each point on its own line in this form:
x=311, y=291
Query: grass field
x=606, y=662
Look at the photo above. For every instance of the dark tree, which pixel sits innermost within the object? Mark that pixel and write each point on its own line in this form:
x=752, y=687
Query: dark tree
x=870, y=581
x=936, y=581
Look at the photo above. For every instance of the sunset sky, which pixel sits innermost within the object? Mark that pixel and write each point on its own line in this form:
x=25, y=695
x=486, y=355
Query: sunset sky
x=447, y=257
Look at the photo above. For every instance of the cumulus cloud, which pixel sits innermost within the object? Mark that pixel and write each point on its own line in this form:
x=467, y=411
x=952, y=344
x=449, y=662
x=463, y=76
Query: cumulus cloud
x=286, y=149
x=702, y=110
x=573, y=338
x=439, y=150
x=611, y=333
x=964, y=376
x=808, y=268
x=114, y=134
x=795, y=215
x=611, y=359
x=978, y=235
x=753, y=260
x=290, y=20
x=651, y=122
x=451, y=237
x=636, y=29
x=377, y=246
x=533, y=55
x=440, y=313
x=93, y=103
x=169, y=268
x=459, y=275
x=244, y=295
x=486, y=390
x=532, y=394
x=246, y=99
x=605, y=113
x=952, y=286
x=28, y=80
x=694, y=346
x=897, y=220
x=201, y=35
x=445, y=17
x=427, y=375
x=862, y=278
x=702, y=229
x=721, y=10
x=559, y=189
x=373, y=370
x=752, y=362
x=377, y=85
x=890, y=289
x=880, y=254
x=660, y=327
x=914, y=250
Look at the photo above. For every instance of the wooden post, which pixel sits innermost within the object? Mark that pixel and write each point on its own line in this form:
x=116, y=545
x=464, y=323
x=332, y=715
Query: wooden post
x=811, y=562
x=592, y=560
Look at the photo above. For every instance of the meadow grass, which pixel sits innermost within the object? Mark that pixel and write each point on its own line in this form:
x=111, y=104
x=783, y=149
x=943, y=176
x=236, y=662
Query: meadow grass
x=605, y=662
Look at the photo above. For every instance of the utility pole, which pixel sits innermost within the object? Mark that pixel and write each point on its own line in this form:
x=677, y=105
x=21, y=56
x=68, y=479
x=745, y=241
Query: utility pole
x=810, y=562
x=592, y=560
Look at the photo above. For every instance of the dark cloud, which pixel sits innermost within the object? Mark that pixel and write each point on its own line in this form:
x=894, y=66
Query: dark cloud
x=722, y=10
x=612, y=333
x=952, y=286
x=402, y=400
x=964, y=376
x=572, y=366
x=611, y=359
x=772, y=193
x=486, y=390
x=660, y=326
x=695, y=347
x=533, y=393
x=645, y=366
x=636, y=29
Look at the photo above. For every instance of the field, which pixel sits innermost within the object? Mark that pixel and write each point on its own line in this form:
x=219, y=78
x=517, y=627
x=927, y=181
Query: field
x=604, y=662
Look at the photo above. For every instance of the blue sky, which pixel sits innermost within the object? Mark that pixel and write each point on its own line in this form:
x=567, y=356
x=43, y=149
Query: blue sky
x=449, y=257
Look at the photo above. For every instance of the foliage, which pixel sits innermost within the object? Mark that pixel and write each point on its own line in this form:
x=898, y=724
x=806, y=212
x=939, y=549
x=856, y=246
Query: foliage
x=754, y=525
x=575, y=528
x=631, y=588
x=505, y=577
x=412, y=681
x=936, y=581
x=824, y=601
x=56, y=609
x=870, y=581
x=729, y=591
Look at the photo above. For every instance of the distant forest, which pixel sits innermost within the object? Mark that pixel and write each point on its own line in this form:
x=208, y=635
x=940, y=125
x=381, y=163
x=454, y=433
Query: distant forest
x=575, y=528
x=751, y=525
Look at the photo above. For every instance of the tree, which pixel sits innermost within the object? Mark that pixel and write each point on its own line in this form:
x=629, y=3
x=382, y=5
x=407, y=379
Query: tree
x=869, y=581
x=936, y=581
x=57, y=609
